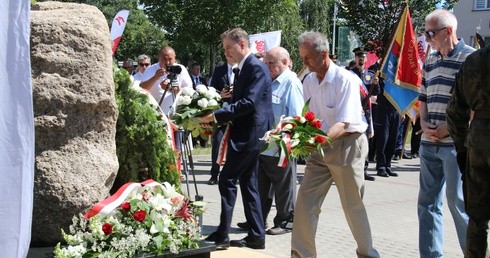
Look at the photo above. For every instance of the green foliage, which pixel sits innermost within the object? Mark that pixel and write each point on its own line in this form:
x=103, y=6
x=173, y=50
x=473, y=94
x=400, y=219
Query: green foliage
x=194, y=27
x=139, y=37
x=374, y=21
x=142, y=147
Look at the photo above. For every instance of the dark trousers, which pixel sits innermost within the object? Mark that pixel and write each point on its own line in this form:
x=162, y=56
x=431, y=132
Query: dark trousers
x=278, y=182
x=386, y=127
x=217, y=136
x=476, y=189
x=401, y=135
x=415, y=140
x=243, y=166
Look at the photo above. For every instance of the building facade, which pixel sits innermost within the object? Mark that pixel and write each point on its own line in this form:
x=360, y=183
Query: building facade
x=473, y=16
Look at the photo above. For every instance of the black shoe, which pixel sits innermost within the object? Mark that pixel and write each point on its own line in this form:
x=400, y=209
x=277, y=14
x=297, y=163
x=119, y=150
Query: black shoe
x=301, y=161
x=405, y=156
x=243, y=225
x=397, y=157
x=277, y=231
x=391, y=173
x=213, y=180
x=368, y=177
x=382, y=173
x=250, y=242
x=221, y=242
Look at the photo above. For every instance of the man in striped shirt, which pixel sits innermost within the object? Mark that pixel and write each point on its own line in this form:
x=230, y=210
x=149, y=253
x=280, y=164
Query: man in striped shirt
x=438, y=166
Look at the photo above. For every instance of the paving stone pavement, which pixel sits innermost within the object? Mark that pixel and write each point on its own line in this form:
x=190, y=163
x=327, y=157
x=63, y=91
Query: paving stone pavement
x=391, y=204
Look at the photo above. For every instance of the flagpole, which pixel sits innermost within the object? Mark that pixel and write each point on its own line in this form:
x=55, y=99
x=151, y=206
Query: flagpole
x=385, y=50
x=335, y=10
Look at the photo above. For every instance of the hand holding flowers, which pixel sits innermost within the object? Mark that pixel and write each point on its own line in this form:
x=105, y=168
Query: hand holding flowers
x=191, y=104
x=297, y=136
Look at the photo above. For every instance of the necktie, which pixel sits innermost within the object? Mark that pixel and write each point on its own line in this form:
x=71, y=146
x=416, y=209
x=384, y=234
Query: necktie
x=236, y=71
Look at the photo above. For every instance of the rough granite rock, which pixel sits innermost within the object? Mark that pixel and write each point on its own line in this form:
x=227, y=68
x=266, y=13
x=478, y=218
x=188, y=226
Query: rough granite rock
x=75, y=114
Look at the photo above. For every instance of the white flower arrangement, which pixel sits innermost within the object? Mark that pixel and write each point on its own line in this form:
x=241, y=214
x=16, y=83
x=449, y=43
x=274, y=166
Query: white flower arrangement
x=191, y=104
x=153, y=218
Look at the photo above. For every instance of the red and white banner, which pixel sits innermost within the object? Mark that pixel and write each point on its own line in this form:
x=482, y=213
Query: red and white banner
x=263, y=42
x=117, y=28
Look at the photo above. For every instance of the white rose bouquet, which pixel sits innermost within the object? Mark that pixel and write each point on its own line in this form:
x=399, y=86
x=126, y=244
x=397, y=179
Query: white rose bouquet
x=191, y=104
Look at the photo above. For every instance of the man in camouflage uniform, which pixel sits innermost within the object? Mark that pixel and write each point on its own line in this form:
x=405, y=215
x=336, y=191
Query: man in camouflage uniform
x=471, y=93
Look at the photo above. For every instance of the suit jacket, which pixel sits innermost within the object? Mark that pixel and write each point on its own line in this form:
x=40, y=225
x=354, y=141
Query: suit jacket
x=201, y=79
x=251, y=108
x=220, y=77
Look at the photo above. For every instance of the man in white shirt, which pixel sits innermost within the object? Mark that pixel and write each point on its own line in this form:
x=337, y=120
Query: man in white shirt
x=156, y=79
x=335, y=99
x=144, y=62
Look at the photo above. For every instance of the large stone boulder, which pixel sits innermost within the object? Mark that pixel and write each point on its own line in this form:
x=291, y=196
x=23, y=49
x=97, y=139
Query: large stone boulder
x=75, y=114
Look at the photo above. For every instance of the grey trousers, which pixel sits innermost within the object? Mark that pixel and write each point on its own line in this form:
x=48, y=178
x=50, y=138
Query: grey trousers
x=343, y=164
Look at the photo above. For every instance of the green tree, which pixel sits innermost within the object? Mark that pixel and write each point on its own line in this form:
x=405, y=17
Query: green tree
x=374, y=21
x=194, y=26
x=139, y=37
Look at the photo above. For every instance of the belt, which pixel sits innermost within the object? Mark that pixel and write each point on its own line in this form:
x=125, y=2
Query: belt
x=349, y=134
x=482, y=114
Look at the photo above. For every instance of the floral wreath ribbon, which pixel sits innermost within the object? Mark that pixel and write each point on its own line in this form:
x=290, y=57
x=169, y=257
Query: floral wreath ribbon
x=106, y=206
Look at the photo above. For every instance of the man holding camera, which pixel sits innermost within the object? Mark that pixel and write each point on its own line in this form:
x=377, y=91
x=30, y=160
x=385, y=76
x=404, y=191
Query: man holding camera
x=165, y=77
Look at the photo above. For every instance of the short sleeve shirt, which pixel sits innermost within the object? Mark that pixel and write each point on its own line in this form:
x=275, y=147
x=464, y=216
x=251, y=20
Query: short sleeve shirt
x=336, y=98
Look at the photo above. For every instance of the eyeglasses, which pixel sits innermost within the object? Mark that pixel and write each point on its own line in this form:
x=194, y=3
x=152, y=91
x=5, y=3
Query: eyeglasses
x=143, y=64
x=432, y=33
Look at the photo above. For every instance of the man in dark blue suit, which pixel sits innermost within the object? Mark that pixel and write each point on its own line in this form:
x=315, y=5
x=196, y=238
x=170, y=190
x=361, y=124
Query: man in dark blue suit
x=251, y=115
x=222, y=81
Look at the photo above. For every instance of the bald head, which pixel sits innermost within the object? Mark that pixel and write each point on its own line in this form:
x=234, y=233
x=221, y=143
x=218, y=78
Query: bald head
x=167, y=56
x=277, y=60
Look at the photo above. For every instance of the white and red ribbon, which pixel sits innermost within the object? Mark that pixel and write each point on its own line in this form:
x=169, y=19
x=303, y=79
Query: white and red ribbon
x=223, y=147
x=106, y=206
x=284, y=153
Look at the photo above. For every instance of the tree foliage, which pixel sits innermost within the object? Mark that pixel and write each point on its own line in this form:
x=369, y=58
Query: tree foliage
x=374, y=21
x=139, y=37
x=194, y=26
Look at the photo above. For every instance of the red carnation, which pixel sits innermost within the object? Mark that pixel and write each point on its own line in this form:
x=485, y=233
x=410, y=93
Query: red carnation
x=316, y=123
x=319, y=139
x=107, y=228
x=126, y=206
x=139, y=216
x=309, y=116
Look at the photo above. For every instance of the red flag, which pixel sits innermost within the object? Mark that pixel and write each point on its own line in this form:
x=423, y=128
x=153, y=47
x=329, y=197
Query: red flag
x=401, y=68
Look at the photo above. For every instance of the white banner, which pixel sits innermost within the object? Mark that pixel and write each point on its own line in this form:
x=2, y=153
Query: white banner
x=117, y=28
x=16, y=129
x=263, y=42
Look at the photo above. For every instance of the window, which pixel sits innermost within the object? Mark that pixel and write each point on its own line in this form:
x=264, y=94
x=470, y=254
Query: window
x=482, y=4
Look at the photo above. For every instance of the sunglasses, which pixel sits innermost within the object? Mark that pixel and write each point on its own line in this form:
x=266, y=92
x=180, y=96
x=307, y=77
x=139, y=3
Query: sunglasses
x=432, y=33
x=142, y=64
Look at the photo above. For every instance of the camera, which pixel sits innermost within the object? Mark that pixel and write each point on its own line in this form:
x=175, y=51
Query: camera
x=176, y=69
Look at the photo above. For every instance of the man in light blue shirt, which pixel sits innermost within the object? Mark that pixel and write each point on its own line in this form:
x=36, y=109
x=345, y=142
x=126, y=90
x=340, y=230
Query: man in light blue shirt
x=287, y=99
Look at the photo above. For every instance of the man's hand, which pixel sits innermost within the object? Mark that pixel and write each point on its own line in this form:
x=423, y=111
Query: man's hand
x=226, y=92
x=429, y=130
x=207, y=121
x=165, y=84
